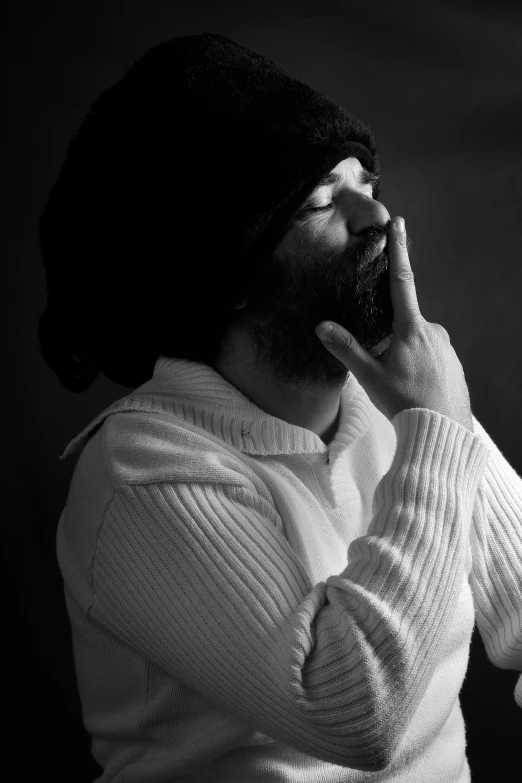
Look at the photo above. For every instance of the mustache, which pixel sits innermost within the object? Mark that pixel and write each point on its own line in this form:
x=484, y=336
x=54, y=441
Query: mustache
x=370, y=239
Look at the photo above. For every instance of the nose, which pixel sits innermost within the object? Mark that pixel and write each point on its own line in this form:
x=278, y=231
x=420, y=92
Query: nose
x=362, y=211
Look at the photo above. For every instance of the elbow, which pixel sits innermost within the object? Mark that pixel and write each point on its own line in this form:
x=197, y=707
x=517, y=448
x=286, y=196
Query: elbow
x=361, y=757
x=373, y=762
x=376, y=761
x=381, y=760
x=370, y=749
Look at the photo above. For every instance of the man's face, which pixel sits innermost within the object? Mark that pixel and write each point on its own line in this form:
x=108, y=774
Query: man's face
x=326, y=267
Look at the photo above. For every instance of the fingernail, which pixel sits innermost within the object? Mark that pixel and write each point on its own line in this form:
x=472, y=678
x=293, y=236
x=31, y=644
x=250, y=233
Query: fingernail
x=325, y=332
x=399, y=224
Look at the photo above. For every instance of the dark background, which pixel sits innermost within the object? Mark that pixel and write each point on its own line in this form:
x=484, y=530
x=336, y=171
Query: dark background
x=440, y=85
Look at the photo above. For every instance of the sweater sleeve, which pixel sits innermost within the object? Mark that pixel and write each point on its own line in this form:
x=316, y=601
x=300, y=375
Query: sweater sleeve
x=496, y=576
x=200, y=579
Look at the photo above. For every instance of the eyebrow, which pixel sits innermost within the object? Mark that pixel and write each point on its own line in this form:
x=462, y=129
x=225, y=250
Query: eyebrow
x=366, y=178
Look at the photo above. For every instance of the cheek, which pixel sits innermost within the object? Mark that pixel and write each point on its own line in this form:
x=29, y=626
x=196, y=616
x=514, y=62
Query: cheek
x=336, y=233
x=321, y=234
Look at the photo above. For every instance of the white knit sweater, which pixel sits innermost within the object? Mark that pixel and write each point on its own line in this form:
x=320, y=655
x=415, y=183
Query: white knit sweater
x=248, y=604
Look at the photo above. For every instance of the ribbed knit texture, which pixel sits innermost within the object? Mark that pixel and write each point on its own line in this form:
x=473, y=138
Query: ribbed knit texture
x=250, y=604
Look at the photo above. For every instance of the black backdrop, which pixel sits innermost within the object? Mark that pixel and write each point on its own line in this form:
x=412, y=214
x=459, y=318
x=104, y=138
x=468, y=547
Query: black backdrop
x=440, y=85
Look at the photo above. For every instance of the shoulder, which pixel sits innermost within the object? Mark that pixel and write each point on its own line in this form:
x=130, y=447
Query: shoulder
x=142, y=447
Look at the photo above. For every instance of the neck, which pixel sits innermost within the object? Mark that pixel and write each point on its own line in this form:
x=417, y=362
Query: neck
x=313, y=408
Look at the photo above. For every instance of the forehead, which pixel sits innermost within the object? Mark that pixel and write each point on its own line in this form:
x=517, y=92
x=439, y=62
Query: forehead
x=349, y=167
x=348, y=170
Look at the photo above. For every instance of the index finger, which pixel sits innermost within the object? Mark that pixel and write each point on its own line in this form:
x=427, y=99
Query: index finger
x=406, y=312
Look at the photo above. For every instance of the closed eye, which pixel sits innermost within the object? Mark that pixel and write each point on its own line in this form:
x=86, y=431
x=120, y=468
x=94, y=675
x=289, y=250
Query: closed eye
x=320, y=209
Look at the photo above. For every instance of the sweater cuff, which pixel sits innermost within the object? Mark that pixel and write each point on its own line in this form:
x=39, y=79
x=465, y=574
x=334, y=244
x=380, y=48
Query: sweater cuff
x=443, y=447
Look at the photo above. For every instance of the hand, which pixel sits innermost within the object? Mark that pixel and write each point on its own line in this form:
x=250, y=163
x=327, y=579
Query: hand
x=420, y=368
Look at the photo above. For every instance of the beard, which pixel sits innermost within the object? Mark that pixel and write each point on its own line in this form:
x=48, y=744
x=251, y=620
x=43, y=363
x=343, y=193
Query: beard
x=298, y=289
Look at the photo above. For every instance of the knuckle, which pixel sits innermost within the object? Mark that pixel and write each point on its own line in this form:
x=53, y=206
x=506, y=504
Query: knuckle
x=405, y=275
x=441, y=330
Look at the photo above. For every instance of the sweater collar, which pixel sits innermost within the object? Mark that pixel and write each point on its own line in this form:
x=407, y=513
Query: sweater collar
x=200, y=396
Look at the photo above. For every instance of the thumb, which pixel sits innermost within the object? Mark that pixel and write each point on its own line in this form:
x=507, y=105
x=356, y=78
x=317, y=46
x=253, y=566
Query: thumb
x=345, y=347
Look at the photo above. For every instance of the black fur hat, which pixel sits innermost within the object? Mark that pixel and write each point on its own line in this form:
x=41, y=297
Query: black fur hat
x=251, y=138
